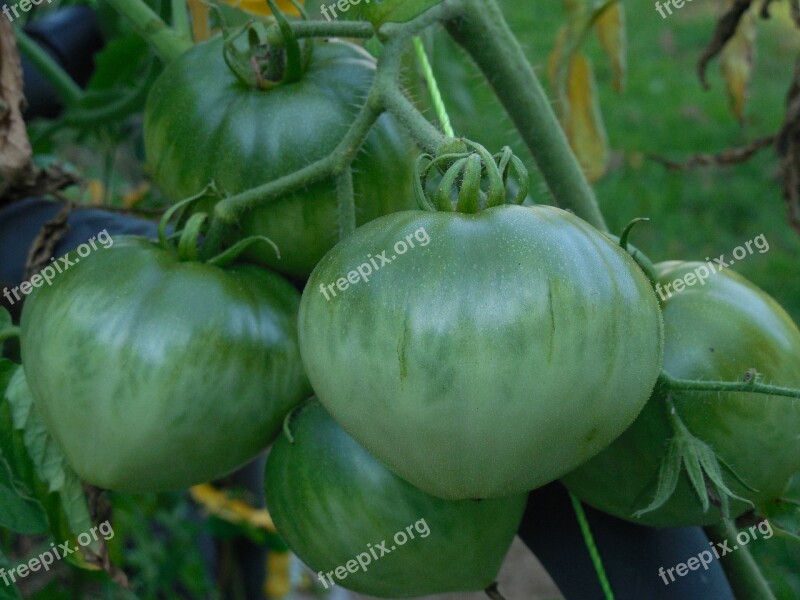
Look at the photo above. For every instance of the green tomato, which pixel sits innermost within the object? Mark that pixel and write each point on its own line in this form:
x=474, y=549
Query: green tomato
x=358, y=525
x=154, y=374
x=202, y=124
x=481, y=355
x=714, y=331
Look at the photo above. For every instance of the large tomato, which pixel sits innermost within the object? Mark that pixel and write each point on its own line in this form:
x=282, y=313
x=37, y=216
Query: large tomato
x=154, y=374
x=714, y=331
x=360, y=526
x=202, y=124
x=481, y=355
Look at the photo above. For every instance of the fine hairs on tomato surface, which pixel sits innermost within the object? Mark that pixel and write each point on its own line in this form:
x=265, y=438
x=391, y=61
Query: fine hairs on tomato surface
x=714, y=332
x=187, y=375
x=334, y=504
x=202, y=124
x=508, y=350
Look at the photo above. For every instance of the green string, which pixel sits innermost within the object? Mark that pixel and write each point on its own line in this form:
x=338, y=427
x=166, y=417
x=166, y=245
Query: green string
x=588, y=539
x=436, y=96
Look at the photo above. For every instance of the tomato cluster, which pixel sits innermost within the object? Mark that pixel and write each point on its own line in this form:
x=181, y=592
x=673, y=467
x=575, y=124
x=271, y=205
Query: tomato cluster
x=461, y=355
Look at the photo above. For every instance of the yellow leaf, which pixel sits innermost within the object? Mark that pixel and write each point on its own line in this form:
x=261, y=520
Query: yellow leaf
x=260, y=7
x=582, y=120
x=97, y=191
x=217, y=503
x=610, y=28
x=200, y=28
x=279, y=582
x=736, y=63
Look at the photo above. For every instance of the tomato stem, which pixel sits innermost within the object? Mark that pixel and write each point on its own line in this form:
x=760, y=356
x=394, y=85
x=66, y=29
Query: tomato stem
x=11, y=332
x=69, y=91
x=346, y=203
x=164, y=40
x=321, y=29
x=745, y=577
x=752, y=385
x=481, y=29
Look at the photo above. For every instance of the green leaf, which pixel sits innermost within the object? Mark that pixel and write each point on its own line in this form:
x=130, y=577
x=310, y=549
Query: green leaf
x=119, y=63
x=62, y=496
x=379, y=12
x=18, y=513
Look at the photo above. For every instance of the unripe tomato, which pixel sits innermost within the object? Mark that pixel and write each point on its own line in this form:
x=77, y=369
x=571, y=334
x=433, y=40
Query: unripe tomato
x=481, y=355
x=202, y=124
x=154, y=374
x=715, y=331
x=358, y=525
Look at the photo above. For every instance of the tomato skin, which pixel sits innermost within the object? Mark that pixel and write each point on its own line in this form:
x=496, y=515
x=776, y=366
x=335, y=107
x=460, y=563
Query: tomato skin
x=512, y=347
x=154, y=374
x=330, y=499
x=201, y=124
x=717, y=331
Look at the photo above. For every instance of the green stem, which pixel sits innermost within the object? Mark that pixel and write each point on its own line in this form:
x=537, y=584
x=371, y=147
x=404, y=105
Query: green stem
x=425, y=134
x=433, y=86
x=753, y=386
x=745, y=577
x=180, y=20
x=482, y=31
x=334, y=29
x=69, y=91
x=11, y=332
x=118, y=108
x=347, y=205
x=591, y=547
x=228, y=211
x=164, y=40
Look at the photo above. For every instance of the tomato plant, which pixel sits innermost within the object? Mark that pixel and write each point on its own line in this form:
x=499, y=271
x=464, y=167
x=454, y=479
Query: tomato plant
x=136, y=409
x=203, y=124
x=464, y=352
x=358, y=525
x=550, y=339
x=717, y=331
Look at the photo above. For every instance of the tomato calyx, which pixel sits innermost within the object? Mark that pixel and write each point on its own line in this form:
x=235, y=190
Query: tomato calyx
x=190, y=235
x=470, y=181
x=261, y=65
x=703, y=467
x=645, y=264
